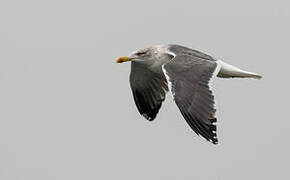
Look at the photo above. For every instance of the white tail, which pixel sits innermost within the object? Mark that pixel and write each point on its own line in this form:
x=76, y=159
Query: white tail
x=229, y=71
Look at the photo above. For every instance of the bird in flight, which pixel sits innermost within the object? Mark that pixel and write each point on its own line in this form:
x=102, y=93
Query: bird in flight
x=187, y=74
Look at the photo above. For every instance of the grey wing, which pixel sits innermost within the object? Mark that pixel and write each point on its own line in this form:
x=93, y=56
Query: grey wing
x=149, y=90
x=188, y=78
x=181, y=50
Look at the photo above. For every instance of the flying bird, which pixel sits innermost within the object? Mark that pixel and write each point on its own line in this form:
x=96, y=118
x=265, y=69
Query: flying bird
x=187, y=74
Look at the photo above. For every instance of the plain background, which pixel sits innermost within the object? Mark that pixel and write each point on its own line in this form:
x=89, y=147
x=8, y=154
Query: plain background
x=66, y=109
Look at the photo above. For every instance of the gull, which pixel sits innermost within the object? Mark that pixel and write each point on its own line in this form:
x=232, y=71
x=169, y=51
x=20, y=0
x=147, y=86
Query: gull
x=187, y=74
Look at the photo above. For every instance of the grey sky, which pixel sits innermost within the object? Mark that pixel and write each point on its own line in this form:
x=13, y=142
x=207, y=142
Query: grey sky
x=66, y=109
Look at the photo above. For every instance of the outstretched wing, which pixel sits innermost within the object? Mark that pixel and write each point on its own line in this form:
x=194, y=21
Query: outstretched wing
x=148, y=88
x=188, y=80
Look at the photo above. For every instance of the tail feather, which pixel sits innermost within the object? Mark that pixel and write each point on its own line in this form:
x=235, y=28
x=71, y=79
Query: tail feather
x=229, y=71
x=252, y=75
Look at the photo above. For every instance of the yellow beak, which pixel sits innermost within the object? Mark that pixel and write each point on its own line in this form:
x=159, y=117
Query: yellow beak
x=123, y=59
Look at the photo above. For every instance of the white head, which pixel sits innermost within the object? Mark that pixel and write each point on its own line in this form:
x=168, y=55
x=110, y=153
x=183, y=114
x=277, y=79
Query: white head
x=149, y=54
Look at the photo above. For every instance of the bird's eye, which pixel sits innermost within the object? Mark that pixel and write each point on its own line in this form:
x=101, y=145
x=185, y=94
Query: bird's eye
x=171, y=56
x=141, y=53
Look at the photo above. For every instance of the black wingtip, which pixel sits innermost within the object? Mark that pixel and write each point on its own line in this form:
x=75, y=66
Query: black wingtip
x=214, y=141
x=149, y=118
x=214, y=120
x=213, y=129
